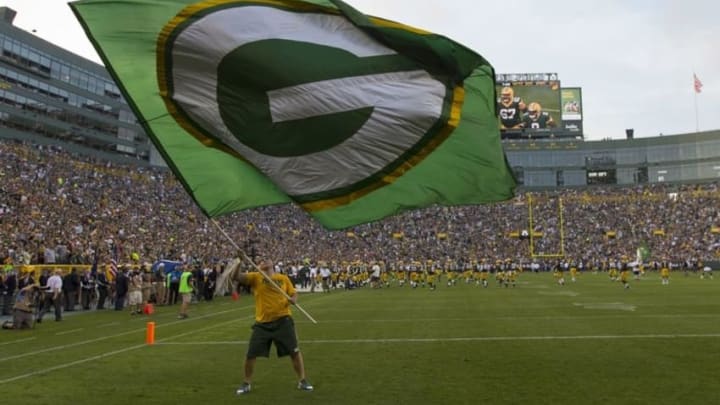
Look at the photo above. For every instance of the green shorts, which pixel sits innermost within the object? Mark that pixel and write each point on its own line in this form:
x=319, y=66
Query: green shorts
x=280, y=331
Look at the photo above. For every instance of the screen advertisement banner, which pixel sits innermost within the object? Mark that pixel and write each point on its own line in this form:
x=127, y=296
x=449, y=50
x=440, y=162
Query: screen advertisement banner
x=572, y=110
x=571, y=101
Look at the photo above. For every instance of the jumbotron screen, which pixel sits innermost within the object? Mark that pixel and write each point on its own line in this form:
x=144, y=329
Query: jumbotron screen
x=528, y=103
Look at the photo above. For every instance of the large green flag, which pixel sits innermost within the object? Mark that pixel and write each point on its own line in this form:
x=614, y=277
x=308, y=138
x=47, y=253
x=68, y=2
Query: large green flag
x=261, y=102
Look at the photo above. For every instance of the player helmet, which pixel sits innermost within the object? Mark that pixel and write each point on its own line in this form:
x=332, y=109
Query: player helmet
x=534, y=110
x=506, y=94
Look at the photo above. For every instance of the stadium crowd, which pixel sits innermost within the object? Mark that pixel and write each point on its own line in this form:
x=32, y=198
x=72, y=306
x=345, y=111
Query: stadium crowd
x=61, y=208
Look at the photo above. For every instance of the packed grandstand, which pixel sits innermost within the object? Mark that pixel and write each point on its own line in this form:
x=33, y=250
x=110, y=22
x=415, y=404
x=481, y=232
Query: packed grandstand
x=60, y=208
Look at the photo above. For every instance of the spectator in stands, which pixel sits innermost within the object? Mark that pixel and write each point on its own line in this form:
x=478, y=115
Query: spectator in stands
x=132, y=206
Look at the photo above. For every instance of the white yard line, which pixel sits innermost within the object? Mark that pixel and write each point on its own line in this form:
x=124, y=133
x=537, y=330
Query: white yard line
x=464, y=339
x=61, y=366
x=514, y=338
x=114, y=352
x=69, y=331
x=513, y=318
x=17, y=341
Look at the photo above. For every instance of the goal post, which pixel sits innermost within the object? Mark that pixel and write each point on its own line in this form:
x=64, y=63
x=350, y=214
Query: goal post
x=531, y=231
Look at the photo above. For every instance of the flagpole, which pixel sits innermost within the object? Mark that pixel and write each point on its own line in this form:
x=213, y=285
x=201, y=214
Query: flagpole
x=697, y=119
x=697, y=85
x=268, y=278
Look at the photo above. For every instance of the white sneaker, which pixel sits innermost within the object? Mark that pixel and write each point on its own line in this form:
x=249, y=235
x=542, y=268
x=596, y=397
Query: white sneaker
x=304, y=385
x=244, y=389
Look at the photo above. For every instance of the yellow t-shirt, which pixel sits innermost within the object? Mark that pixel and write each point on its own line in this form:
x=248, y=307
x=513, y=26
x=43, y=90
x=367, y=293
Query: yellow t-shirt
x=270, y=304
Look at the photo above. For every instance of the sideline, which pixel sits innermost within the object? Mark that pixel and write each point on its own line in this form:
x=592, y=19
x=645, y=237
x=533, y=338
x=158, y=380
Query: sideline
x=514, y=318
x=463, y=339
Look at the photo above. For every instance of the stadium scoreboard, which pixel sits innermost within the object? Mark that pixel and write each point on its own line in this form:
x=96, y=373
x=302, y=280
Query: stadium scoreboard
x=535, y=106
x=520, y=77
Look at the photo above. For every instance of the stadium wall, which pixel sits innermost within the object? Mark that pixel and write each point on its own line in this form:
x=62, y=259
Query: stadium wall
x=683, y=158
x=49, y=92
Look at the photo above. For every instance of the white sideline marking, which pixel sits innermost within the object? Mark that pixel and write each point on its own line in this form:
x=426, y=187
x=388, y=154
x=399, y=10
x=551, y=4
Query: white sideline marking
x=49, y=349
x=605, y=305
x=69, y=331
x=514, y=318
x=560, y=293
x=114, y=352
x=463, y=339
x=17, y=341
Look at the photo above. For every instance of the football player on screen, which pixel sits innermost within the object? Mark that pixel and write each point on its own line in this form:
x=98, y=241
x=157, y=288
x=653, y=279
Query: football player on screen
x=510, y=109
x=536, y=118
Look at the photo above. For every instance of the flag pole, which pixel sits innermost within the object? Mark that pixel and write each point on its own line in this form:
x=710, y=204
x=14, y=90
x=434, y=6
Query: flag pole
x=268, y=278
x=697, y=119
x=697, y=86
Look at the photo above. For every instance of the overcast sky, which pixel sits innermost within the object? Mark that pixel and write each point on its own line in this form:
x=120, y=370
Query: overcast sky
x=634, y=59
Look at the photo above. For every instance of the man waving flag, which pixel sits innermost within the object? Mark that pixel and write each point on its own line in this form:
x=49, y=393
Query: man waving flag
x=261, y=102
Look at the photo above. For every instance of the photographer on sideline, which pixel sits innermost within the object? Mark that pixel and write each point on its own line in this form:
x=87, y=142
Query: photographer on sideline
x=23, y=308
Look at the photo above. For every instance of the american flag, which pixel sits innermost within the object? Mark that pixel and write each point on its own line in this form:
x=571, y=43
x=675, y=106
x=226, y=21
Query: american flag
x=697, y=84
x=113, y=267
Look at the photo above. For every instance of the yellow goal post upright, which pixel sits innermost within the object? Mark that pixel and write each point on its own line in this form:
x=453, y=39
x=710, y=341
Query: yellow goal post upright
x=531, y=231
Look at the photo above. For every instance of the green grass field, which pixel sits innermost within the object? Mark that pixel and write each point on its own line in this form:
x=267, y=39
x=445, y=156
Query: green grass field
x=589, y=342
